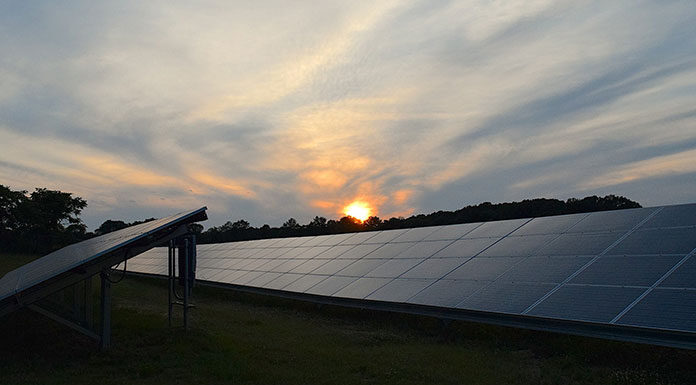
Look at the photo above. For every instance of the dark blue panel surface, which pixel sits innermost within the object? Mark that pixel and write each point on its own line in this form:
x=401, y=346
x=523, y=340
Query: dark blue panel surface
x=587, y=303
x=664, y=309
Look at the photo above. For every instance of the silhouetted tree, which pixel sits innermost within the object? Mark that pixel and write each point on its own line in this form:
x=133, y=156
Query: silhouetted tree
x=51, y=210
x=41, y=221
x=290, y=224
x=317, y=223
x=110, y=225
x=10, y=201
x=372, y=223
x=143, y=221
x=241, y=225
x=195, y=228
x=346, y=224
x=113, y=225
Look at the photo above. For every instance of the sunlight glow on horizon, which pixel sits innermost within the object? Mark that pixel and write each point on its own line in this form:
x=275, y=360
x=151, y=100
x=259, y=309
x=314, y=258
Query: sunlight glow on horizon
x=358, y=210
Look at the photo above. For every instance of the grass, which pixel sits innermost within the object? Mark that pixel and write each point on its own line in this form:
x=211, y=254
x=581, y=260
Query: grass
x=248, y=339
x=12, y=261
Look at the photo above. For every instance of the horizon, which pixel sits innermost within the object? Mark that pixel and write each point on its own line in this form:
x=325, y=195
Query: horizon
x=207, y=226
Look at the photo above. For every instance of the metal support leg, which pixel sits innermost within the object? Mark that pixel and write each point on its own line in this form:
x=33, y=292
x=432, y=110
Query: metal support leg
x=76, y=302
x=105, y=312
x=89, y=298
x=180, y=296
x=186, y=283
x=170, y=279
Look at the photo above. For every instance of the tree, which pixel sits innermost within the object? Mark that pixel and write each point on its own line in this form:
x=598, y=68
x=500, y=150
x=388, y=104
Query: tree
x=346, y=224
x=143, y=221
x=595, y=203
x=41, y=221
x=9, y=202
x=372, y=223
x=230, y=226
x=195, y=228
x=317, y=223
x=52, y=210
x=110, y=225
x=291, y=224
x=241, y=225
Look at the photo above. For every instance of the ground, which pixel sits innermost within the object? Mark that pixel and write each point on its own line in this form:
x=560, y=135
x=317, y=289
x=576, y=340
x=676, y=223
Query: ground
x=248, y=339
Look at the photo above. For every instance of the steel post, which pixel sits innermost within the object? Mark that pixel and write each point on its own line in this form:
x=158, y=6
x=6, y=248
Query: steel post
x=105, y=342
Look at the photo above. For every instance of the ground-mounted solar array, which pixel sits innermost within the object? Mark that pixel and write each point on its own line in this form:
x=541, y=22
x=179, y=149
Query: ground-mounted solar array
x=73, y=257
x=633, y=268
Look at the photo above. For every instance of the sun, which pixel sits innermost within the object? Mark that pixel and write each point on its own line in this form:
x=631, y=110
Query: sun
x=358, y=210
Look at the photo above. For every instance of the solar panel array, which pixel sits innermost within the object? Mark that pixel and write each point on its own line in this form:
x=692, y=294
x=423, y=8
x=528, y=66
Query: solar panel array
x=72, y=256
x=629, y=267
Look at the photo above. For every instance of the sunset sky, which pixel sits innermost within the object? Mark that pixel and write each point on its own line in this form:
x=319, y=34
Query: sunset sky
x=266, y=110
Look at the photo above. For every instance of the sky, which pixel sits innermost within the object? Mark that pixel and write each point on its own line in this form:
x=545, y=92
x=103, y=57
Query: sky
x=264, y=110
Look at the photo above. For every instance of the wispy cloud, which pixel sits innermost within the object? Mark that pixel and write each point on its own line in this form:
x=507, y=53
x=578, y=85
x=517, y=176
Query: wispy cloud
x=675, y=164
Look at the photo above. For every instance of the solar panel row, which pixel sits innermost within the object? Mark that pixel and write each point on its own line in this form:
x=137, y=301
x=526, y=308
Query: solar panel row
x=73, y=256
x=629, y=267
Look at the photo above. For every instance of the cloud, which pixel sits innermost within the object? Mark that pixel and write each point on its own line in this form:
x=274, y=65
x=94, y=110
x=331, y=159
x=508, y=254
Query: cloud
x=675, y=164
x=265, y=111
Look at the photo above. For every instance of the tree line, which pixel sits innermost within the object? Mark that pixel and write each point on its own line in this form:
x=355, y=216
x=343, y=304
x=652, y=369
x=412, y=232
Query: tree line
x=241, y=229
x=45, y=220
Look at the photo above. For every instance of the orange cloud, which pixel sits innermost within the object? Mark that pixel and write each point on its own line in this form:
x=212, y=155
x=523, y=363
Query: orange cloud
x=227, y=185
x=400, y=197
x=325, y=205
x=121, y=172
x=325, y=179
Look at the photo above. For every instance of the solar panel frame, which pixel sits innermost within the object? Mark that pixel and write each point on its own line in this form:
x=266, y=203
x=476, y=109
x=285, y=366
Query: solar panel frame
x=50, y=273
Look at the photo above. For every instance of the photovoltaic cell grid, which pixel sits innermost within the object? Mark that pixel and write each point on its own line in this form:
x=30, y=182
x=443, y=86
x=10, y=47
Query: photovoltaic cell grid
x=631, y=267
x=72, y=256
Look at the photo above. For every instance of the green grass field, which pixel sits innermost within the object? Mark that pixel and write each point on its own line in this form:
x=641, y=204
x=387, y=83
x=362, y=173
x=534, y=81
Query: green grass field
x=247, y=339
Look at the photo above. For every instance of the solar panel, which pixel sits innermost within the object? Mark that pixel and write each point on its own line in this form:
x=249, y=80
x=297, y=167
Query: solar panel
x=74, y=257
x=447, y=292
x=664, y=309
x=505, y=297
x=631, y=271
x=587, y=303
